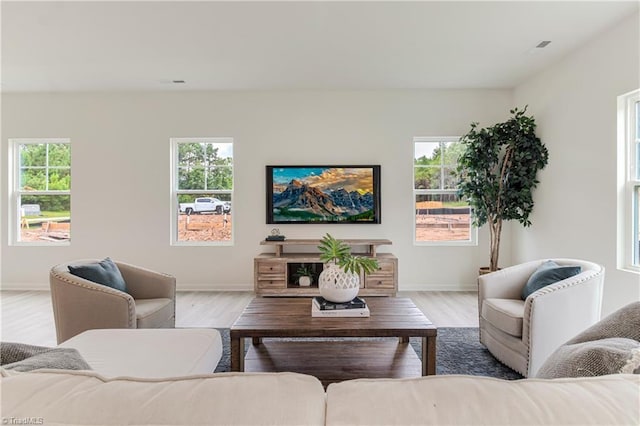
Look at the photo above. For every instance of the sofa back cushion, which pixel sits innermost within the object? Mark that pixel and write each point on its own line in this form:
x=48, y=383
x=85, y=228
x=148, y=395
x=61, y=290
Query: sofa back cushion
x=213, y=399
x=468, y=400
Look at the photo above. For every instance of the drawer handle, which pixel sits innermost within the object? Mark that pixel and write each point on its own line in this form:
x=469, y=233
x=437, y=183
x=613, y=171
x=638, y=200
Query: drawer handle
x=271, y=268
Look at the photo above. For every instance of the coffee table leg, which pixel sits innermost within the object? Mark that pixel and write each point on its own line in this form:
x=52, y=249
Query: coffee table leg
x=403, y=339
x=237, y=354
x=256, y=340
x=429, y=356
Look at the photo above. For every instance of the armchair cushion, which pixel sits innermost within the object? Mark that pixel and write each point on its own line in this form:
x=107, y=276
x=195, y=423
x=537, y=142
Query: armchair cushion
x=504, y=314
x=155, y=313
x=548, y=273
x=104, y=272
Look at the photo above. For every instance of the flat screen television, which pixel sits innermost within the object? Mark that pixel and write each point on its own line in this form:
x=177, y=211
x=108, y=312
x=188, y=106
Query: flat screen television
x=323, y=194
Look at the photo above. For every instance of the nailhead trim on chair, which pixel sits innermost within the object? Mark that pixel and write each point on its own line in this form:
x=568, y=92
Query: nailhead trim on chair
x=106, y=289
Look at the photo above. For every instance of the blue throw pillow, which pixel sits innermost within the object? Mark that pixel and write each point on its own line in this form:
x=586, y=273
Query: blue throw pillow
x=104, y=272
x=548, y=273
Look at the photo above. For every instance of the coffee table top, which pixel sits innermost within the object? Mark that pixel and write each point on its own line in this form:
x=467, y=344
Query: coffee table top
x=291, y=317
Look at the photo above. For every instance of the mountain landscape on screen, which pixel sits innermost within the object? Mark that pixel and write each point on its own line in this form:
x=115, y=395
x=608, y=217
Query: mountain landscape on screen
x=326, y=194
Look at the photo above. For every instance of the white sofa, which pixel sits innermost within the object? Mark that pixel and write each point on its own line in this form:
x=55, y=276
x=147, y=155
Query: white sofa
x=56, y=397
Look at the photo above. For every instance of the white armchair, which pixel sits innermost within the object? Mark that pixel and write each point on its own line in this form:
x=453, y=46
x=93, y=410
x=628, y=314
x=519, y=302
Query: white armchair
x=523, y=333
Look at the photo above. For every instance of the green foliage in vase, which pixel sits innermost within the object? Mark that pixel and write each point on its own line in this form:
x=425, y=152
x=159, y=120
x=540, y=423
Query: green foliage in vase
x=304, y=271
x=333, y=250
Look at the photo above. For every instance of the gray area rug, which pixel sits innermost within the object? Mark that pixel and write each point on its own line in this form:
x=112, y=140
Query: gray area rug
x=459, y=351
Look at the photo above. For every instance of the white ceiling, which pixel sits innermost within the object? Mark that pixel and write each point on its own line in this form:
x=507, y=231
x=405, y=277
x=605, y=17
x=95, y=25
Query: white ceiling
x=69, y=46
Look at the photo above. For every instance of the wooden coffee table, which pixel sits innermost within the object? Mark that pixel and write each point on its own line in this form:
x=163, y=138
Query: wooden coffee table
x=333, y=361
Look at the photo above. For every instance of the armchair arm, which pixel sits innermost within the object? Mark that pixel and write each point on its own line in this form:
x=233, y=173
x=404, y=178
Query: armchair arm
x=146, y=284
x=80, y=305
x=558, y=312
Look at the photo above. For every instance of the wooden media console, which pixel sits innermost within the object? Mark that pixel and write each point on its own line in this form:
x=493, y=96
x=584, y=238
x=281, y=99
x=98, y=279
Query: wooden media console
x=275, y=273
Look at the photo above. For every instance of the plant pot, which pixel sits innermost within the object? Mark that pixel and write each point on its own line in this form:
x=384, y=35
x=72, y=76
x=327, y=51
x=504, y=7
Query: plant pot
x=336, y=285
x=304, y=281
x=486, y=270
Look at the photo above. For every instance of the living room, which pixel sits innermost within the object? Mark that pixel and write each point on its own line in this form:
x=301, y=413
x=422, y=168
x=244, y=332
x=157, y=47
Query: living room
x=311, y=83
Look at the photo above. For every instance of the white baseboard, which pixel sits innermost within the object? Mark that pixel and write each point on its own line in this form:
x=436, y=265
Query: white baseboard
x=437, y=287
x=214, y=287
x=25, y=286
x=248, y=287
x=179, y=287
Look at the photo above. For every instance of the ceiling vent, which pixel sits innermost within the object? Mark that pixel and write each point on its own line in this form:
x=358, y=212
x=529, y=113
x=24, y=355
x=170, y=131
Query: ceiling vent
x=538, y=47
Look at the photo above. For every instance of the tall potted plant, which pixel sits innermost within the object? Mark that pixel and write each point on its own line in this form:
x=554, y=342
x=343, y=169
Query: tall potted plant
x=497, y=172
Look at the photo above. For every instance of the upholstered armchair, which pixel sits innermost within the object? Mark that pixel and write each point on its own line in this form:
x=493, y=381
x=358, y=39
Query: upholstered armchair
x=80, y=304
x=523, y=333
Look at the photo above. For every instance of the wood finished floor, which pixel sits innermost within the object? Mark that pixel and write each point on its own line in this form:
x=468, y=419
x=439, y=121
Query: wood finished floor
x=27, y=316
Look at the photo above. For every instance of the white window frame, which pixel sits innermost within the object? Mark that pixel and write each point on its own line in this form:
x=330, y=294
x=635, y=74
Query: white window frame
x=628, y=183
x=175, y=192
x=473, y=231
x=15, y=192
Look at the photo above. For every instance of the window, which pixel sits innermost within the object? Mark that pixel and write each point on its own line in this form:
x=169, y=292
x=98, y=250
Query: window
x=41, y=191
x=629, y=179
x=202, y=191
x=440, y=216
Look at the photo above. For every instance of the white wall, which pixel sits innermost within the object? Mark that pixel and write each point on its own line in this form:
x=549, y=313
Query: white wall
x=574, y=103
x=120, y=173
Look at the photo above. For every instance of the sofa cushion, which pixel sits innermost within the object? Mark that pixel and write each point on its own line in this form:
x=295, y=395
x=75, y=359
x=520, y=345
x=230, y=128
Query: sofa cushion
x=467, y=400
x=609, y=346
x=596, y=358
x=548, y=273
x=504, y=314
x=104, y=272
x=86, y=398
x=149, y=353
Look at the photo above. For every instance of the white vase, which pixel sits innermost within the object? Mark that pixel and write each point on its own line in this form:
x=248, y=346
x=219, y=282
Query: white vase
x=304, y=281
x=336, y=285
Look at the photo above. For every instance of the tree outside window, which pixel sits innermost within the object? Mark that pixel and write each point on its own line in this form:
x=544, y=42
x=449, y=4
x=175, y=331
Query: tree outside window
x=203, y=190
x=440, y=216
x=42, y=190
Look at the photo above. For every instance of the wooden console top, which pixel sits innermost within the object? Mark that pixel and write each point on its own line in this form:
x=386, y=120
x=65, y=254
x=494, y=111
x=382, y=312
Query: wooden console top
x=372, y=243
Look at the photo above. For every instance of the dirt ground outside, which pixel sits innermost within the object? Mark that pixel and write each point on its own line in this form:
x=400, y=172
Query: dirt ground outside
x=444, y=227
x=47, y=231
x=204, y=227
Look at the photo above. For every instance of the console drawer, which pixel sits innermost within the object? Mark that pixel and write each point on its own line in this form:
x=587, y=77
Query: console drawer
x=385, y=267
x=379, y=281
x=271, y=268
x=272, y=282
